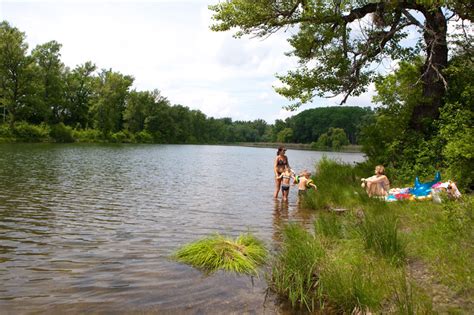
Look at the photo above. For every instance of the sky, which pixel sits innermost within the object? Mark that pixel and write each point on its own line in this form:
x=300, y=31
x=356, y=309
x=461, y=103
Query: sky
x=167, y=45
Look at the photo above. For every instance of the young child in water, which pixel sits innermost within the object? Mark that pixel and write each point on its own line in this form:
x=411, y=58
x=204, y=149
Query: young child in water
x=285, y=177
x=305, y=182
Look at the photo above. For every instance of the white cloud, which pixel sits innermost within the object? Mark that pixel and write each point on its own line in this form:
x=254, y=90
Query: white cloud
x=166, y=45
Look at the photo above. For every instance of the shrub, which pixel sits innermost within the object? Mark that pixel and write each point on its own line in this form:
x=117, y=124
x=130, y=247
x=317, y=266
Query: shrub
x=61, y=133
x=30, y=133
x=144, y=137
x=5, y=132
x=87, y=135
x=122, y=136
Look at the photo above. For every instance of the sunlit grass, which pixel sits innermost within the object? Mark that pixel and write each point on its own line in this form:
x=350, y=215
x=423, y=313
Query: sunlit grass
x=376, y=256
x=242, y=255
x=380, y=233
x=294, y=273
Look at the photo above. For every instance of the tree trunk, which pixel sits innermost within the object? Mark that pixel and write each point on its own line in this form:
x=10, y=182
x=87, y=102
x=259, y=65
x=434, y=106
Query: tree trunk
x=433, y=83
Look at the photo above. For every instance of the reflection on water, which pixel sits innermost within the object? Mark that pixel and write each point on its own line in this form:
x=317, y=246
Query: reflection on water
x=91, y=227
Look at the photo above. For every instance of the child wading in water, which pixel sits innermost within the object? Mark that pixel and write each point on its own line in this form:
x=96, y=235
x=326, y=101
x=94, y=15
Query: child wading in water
x=285, y=177
x=305, y=182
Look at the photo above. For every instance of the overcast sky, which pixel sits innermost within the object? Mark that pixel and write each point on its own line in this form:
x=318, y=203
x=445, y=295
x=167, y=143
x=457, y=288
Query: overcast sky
x=167, y=45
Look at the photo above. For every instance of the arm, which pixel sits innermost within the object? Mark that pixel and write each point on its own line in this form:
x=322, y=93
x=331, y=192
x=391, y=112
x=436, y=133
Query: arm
x=310, y=184
x=275, y=168
x=377, y=179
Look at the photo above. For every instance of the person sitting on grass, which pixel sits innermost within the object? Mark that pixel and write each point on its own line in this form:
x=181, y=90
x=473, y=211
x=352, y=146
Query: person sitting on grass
x=305, y=182
x=377, y=185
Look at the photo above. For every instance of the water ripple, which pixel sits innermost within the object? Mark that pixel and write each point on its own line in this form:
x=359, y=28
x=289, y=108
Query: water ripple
x=91, y=228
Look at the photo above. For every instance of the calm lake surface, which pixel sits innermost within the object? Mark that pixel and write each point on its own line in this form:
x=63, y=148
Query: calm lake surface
x=90, y=228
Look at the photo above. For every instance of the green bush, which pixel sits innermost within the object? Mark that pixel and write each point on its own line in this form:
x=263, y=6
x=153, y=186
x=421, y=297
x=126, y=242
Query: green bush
x=31, y=133
x=5, y=132
x=144, y=137
x=87, y=135
x=122, y=136
x=61, y=133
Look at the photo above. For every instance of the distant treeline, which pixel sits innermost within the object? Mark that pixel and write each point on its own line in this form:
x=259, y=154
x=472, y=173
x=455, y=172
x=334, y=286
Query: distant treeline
x=42, y=99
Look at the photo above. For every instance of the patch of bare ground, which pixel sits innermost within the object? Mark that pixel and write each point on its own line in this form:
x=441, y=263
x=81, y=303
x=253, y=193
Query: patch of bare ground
x=445, y=300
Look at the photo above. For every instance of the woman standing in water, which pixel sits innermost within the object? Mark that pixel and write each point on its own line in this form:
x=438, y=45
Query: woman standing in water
x=281, y=161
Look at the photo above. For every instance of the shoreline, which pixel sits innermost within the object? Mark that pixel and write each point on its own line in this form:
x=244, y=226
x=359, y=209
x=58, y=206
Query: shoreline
x=299, y=146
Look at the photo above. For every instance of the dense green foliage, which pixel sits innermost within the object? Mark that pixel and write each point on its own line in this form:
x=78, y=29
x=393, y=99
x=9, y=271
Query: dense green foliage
x=449, y=146
x=38, y=92
x=242, y=255
x=339, y=43
x=309, y=125
x=402, y=257
x=425, y=119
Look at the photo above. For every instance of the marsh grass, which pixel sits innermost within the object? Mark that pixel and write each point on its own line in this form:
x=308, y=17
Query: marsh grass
x=337, y=187
x=242, y=255
x=294, y=273
x=380, y=233
x=410, y=299
x=356, y=261
x=348, y=287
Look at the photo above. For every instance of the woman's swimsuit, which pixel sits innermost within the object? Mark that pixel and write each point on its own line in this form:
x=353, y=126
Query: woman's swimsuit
x=281, y=162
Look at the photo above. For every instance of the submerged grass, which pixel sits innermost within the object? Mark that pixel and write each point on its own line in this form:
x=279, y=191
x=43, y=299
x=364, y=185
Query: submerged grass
x=242, y=255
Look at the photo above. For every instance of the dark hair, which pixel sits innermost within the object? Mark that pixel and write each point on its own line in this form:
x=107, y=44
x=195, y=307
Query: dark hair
x=281, y=148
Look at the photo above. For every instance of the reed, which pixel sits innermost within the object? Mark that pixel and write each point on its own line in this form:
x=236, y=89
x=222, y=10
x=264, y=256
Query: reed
x=337, y=187
x=295, y=270
x=409, y=299
x=350, y=287
x=242, y=255
x=380, y=233
x=330, y=225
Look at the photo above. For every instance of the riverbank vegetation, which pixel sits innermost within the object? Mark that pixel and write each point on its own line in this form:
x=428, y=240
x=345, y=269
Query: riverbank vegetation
x=42, y=99
x=402, y=257
x=406, y=257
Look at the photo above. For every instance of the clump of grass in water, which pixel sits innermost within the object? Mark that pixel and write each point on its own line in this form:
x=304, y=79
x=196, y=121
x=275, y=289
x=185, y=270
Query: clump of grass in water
x=242, y=255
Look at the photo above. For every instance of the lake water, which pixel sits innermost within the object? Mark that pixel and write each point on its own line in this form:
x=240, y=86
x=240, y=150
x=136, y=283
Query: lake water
x=90, y=228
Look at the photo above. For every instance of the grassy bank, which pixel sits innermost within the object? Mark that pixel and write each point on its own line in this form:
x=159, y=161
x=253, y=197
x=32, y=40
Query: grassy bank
x=402, y=257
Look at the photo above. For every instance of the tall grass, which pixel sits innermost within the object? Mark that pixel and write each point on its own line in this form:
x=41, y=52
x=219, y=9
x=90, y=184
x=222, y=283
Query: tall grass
x=242, y=255
x=337, y=187
x=295, y=271
x=409, y=300
x=380, y=233
x=356, y=261
x=348, y=287
x=330, y=225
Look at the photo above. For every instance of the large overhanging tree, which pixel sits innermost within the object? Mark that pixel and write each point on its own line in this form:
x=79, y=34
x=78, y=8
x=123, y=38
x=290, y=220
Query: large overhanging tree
x=339, y=43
